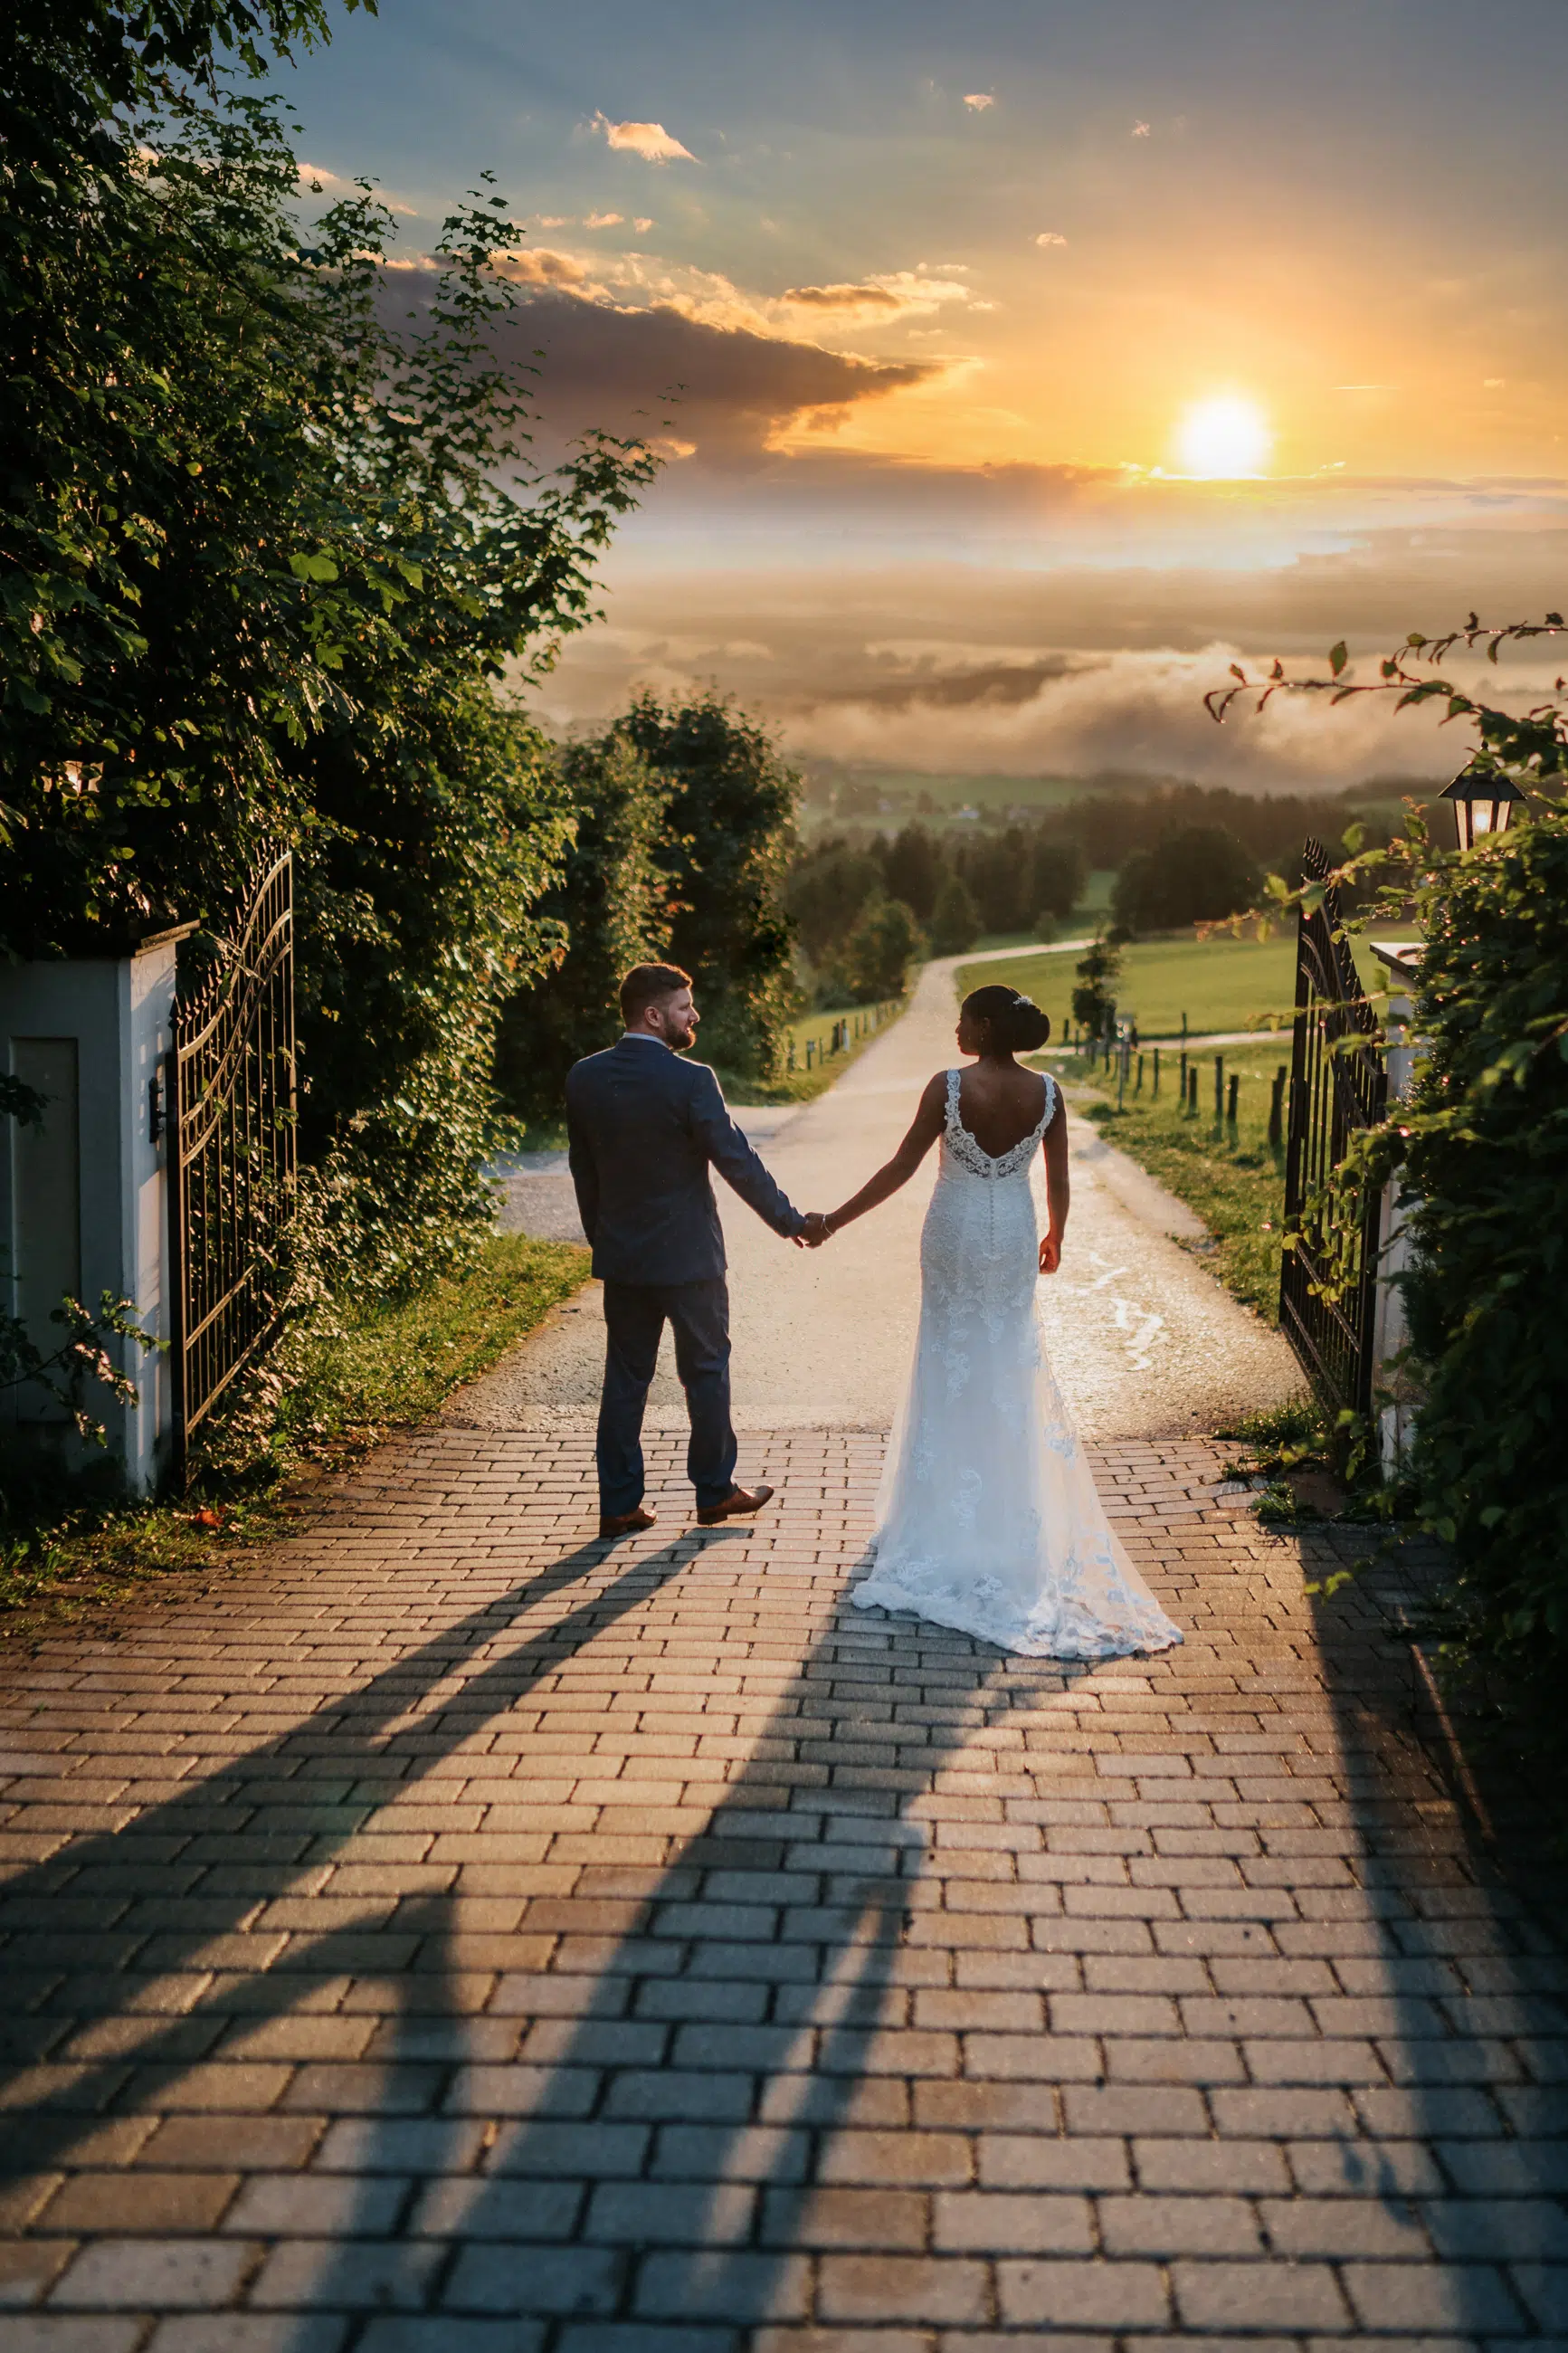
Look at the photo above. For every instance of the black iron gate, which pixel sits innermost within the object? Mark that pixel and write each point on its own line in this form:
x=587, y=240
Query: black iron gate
x=1339, y=1085
x=232, y=1152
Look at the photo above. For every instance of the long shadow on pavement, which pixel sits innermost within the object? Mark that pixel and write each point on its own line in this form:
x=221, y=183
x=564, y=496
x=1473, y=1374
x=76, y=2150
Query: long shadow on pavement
x=642, y=2156
x=1455, y=2119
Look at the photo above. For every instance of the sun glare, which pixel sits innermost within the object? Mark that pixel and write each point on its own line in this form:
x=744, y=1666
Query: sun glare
x=1224, y=437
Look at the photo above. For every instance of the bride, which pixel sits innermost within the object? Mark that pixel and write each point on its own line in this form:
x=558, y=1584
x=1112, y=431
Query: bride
x=988, y=1518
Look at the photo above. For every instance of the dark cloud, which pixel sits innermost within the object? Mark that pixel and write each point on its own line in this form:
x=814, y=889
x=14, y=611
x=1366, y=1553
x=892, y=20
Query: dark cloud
x=653, y=371
x=844, y=297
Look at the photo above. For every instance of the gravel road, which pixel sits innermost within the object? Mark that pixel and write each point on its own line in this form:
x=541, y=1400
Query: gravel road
x=1144, y=1341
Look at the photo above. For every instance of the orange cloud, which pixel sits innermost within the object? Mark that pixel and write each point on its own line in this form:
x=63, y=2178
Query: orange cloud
x=977, y=101
x=542, y=266
x=651, y=140
x=890, y=294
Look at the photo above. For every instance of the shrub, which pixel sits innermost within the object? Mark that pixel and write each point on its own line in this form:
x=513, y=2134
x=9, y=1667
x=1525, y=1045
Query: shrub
x=1486, y=1159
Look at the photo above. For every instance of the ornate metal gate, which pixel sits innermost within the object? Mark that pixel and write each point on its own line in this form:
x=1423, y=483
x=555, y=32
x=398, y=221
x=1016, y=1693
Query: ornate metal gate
x=232, y=1152
x=1339, y=1085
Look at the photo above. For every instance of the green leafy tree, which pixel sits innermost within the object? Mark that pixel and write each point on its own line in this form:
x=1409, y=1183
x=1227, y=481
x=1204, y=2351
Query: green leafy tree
x=955, y=918
x=263, y=568
x=913, y=869
x=610, y=905
x=878, y=955
x=1056, y=878
x=729, y=827
x=1094, y=993
x=825, y=891
x=1199, y=873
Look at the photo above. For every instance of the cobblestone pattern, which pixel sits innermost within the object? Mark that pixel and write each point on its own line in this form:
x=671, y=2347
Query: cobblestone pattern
x=453, y=1935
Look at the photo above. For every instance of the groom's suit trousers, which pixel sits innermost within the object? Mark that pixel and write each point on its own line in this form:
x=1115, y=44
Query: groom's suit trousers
x=635, y=1317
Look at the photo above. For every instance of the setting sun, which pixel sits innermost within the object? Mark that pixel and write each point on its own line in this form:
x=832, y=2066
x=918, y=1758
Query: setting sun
x=1224, y=437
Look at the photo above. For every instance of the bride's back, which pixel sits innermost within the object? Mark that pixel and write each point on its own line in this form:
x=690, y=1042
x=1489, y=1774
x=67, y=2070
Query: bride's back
x=999, y=1104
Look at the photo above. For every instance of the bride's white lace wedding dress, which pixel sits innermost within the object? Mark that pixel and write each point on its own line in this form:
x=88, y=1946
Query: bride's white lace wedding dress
x=988, y=1518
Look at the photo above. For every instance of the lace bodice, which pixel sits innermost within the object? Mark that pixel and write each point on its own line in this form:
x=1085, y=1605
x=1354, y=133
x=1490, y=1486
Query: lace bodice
x=961, y=1147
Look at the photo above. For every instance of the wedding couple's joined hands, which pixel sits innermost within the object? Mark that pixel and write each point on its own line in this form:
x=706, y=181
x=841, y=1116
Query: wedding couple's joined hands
x=988, y=1518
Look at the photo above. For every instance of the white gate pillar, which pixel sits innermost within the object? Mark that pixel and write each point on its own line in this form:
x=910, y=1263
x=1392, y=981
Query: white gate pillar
x=83, y=1196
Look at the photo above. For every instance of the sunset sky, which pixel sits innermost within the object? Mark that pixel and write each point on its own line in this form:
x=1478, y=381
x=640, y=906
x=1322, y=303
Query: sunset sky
x=1033, y=359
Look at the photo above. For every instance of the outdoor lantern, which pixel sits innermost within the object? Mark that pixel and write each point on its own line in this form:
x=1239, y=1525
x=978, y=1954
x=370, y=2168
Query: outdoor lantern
x=1483, y=800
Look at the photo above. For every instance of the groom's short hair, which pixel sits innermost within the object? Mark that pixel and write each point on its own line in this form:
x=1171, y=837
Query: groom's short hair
x=647, y=984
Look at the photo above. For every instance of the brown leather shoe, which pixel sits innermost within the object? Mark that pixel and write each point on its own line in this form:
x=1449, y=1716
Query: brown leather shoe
x=626, y=1523
x=738, y=1501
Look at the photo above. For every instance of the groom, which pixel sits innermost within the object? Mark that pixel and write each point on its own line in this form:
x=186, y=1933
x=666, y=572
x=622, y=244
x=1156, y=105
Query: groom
x=643, y=1128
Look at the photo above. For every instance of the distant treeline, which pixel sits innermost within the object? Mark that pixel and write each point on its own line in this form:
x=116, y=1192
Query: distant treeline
x=1181, y=853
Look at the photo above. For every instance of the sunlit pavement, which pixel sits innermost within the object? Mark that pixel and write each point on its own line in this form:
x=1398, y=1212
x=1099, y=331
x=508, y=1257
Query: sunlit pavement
x=450, y=1935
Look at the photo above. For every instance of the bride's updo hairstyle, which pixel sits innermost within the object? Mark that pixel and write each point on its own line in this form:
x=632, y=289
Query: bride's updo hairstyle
x=1017, y=1025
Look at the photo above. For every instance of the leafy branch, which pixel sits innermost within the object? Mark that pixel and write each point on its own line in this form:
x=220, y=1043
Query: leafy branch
x=1534, y=743
x=83, y=1355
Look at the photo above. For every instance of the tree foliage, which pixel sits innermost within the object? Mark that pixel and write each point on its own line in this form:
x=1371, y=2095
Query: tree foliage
x=610, y=905
x=729, y=827
x=1094, y=991
x=1195, y=874
x=824, y=892
x=955, y=918
x=878, y=955
x=264, y=563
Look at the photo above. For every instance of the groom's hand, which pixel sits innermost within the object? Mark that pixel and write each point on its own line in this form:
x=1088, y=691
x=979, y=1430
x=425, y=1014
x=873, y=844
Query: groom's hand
x=813, y=1233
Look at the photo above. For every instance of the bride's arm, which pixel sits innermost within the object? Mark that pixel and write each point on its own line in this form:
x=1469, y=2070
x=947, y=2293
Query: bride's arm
x=1058, y=1188
x=924, y=1129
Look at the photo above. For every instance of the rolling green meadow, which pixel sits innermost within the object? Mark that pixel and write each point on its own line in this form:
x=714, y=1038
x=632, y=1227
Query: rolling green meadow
x=1219, y=984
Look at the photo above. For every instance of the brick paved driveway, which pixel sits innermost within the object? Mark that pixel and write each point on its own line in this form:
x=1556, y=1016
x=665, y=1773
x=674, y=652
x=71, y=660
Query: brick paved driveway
x=451, y=1936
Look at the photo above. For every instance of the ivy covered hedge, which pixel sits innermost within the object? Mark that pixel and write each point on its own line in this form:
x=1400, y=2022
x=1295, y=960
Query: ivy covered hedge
x=1486, y=1158
x=1481, y=1152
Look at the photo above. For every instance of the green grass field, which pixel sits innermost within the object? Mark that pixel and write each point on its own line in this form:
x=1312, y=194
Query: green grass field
x=1219, y=984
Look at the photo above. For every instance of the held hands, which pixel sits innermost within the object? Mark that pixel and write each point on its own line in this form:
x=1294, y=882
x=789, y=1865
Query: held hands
x=1050, y=1252
x=815, y=1232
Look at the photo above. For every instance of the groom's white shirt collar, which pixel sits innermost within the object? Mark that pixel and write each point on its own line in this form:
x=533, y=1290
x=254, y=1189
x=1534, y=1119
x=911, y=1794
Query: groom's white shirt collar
x=644, y=1038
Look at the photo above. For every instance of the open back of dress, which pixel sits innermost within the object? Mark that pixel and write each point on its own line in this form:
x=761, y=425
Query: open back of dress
x=988, y=1519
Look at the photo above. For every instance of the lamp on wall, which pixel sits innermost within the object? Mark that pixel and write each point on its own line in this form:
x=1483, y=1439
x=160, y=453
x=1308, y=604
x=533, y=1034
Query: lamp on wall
x=1484, y=801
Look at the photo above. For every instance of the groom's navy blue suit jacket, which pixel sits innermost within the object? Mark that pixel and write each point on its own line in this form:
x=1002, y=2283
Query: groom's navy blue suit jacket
x=644, y=1126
